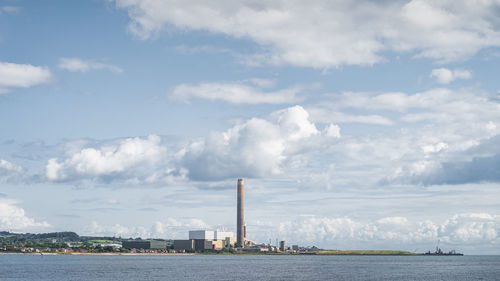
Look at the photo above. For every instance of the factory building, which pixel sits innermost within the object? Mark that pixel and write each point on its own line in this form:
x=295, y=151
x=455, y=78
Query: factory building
x=199, y=244
x=186, y=245
x=282, y=246
x=201, y=234
x=222, y=235
x=144, y=244
x=206, y=240
x=229, y=242
x=209, y=235
x=217, y=240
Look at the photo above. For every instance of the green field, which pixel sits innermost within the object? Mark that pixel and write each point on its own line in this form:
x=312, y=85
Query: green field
x=103, y=241
x=365, y=252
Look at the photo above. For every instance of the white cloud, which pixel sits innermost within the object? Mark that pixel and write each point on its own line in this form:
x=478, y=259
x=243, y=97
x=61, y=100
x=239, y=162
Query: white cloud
x=9, y=9
x=236, y=93
x=108, y=160
x=390, y=101
x=118, y=230
x=10, y=172
x=427, y=138
x=426, y=135
x=475, y=170
x=460, y=229
x=393, y=220
x=169, y=228
x=13, y=218
x=330, y=33
x=434, y=105
x=333, y=131
x=79, y=65
x=474, y=227
x=324, y=115
x=255, y=148
x=445, y=75
x=9, y=166
x=14, y=75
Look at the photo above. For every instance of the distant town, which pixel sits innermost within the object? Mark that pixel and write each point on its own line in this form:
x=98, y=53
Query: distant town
x=70, y=242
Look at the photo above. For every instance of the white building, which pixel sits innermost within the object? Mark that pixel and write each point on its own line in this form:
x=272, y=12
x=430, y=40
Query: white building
x=221, y=235
x=201, y=234
x=209, y=235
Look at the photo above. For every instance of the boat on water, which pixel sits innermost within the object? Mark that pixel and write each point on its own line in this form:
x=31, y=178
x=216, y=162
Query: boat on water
x=440, y=252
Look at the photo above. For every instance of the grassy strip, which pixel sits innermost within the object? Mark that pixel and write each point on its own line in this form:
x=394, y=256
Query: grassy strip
x=366, y=252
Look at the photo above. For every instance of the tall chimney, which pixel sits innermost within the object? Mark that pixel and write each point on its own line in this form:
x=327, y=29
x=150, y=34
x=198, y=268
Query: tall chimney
x=240, y=221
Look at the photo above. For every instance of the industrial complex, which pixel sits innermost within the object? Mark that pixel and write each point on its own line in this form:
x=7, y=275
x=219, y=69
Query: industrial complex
x=215, y=239
x=206, y=240
x=218, y=240
x=211, y=241
x=199, y=241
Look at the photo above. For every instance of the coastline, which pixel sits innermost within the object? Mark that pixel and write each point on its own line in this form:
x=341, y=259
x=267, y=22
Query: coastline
x=312, y=253
x=102, y=254
x=320, y=253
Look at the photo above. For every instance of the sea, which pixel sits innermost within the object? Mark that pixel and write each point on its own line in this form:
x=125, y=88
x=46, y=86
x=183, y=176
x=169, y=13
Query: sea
x=247, y=267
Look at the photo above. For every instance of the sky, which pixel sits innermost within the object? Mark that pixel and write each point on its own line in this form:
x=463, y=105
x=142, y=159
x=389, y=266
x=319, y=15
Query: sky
x=355, y=124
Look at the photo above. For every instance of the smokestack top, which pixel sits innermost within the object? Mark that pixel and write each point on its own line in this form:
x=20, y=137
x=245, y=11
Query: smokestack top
x=240, y=180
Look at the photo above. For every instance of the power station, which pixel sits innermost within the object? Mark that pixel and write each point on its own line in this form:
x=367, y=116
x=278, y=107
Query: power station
x=218, y=240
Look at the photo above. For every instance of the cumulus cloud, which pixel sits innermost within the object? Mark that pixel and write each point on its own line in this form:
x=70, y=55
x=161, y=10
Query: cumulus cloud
x=445, y=75
x=333, y=131
x=9, y=166
x=110, y=160
x=10, y=172
x=255, y=148
x=14, y=75
x=460, y=161
x=168, y=228
x=428, y=144
x=324, y=115
x=118, y=230
x=434, y=106
x=79, y=65
x=479, y=169
x=330, y=33
x=13, y=218
x=236, y=93
x=471, y=227
x=460, y=229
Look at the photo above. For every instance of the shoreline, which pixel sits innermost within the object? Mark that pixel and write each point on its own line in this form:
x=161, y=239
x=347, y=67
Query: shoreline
x=317, y=253
x=208, y=254
x=101, y=254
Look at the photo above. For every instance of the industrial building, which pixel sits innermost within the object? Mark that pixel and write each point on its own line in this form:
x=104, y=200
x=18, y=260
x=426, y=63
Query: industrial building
x=206, y=240
x=209, y=235
x=186, y=245
x=217, y=240
x=144, y=244
x=201, y=234
x=223, y=235
x=282, y=246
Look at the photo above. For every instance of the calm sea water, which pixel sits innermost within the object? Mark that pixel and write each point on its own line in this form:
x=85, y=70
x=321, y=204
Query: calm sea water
x=199, y=267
